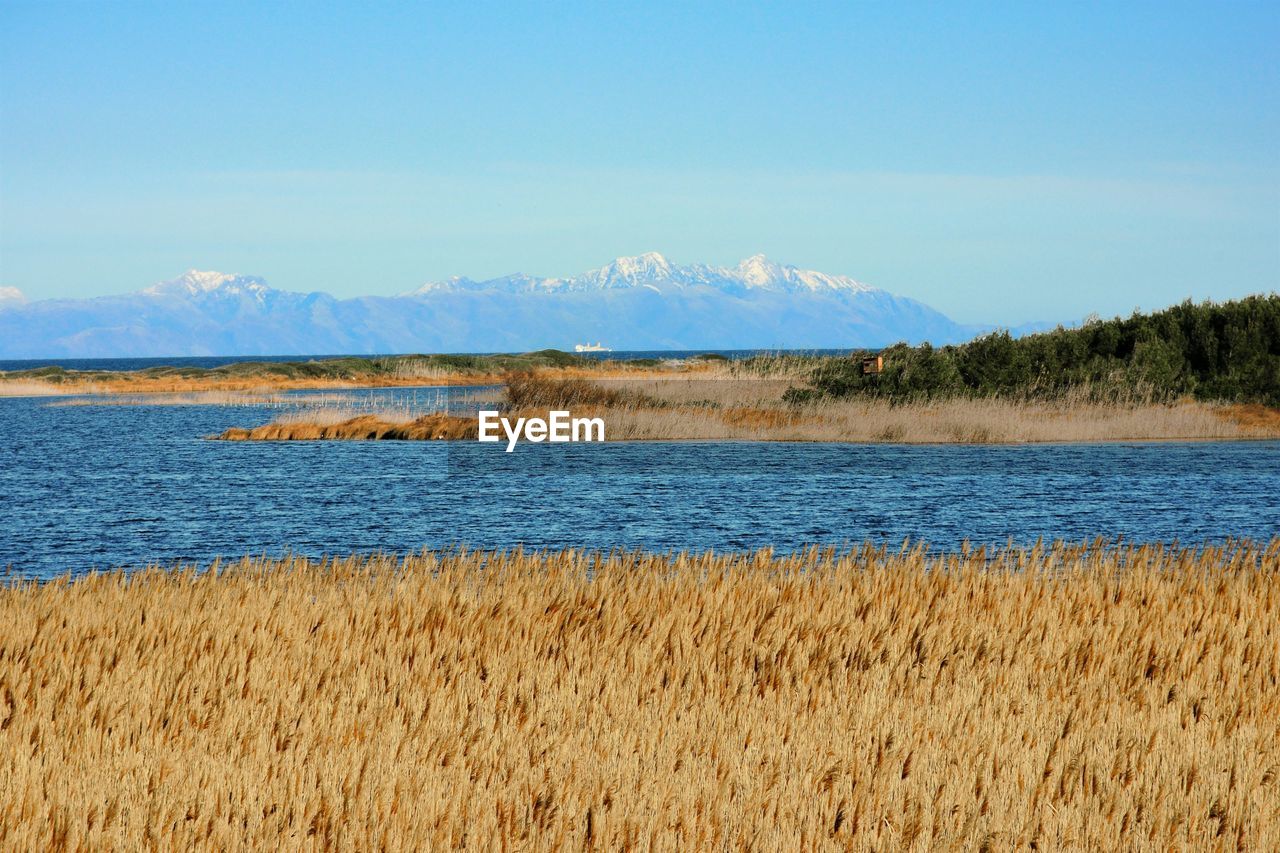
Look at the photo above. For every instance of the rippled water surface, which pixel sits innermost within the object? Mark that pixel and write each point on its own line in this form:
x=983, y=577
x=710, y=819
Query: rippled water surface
x=105, y=486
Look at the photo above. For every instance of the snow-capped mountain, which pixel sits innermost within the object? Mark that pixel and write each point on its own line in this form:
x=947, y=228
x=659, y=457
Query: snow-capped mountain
x=632, y=303
x=194, y=283
x=653, y=270
x=11, y=296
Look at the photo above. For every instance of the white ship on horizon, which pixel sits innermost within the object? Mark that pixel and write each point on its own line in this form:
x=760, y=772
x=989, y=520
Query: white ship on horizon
x=596, y=347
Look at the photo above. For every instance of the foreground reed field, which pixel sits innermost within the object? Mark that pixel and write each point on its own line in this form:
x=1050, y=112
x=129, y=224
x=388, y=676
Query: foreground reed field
x=1073, y=697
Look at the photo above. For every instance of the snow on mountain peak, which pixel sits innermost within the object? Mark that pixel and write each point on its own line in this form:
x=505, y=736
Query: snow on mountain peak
x=200, y=283
x=640, y=302
x=627, y=271
x=651, y=268
x=760, y=271
x=12, y=296
x=453, y=282
x=648, y=262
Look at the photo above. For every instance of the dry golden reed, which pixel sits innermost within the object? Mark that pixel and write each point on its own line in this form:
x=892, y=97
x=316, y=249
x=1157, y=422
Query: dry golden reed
x=371, y=427
x=701, y=409
x=1073, y=697
x=692, y=408
x=412, y=373
x=955, y=421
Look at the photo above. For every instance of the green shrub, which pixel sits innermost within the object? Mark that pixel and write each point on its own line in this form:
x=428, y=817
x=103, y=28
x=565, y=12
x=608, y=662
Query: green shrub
x=1228, y=351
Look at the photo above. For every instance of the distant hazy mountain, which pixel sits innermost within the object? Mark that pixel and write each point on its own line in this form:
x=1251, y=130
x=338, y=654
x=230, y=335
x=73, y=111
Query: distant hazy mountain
x=645, y=302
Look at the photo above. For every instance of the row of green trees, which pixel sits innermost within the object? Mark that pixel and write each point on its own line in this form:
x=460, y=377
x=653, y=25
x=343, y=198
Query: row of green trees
x=1228, y=351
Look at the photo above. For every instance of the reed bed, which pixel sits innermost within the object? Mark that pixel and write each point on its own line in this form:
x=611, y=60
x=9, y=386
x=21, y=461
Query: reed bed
x=1097, y=696
x=693, y=408
x=267, y=378
x=435, y=417
x=35, y=388
x=370, y=427
x=959, y=421
x=688, y=408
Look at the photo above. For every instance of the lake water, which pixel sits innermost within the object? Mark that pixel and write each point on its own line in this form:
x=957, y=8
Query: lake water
x=105, y=486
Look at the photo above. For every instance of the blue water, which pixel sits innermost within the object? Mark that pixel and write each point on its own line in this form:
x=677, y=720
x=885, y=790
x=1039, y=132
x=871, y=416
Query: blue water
x=107, y=486
x=221, y=360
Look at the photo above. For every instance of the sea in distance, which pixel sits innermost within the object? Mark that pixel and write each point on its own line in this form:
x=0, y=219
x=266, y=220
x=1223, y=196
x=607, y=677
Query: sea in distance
x=101, y=486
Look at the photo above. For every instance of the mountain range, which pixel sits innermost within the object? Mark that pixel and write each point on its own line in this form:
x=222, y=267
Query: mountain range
x=633, y=303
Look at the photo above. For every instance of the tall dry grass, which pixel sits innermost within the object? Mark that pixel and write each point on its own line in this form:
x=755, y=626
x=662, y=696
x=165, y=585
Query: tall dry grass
x=1073, y=697
x=35, y=388
x=691, y=408
x=731, y=407
x=400, y=373
x=964, y=421
x=371, y=427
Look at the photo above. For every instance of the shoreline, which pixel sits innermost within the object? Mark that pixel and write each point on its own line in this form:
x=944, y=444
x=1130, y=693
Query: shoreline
x=645, y=400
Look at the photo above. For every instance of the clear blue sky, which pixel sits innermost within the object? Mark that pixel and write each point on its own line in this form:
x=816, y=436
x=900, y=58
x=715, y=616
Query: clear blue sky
x=1002, y=163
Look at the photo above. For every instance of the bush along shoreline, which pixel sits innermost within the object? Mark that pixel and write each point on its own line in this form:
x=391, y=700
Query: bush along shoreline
x=1222, y=352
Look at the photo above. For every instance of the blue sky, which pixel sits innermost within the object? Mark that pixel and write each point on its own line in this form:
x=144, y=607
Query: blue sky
x=1003, y=163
